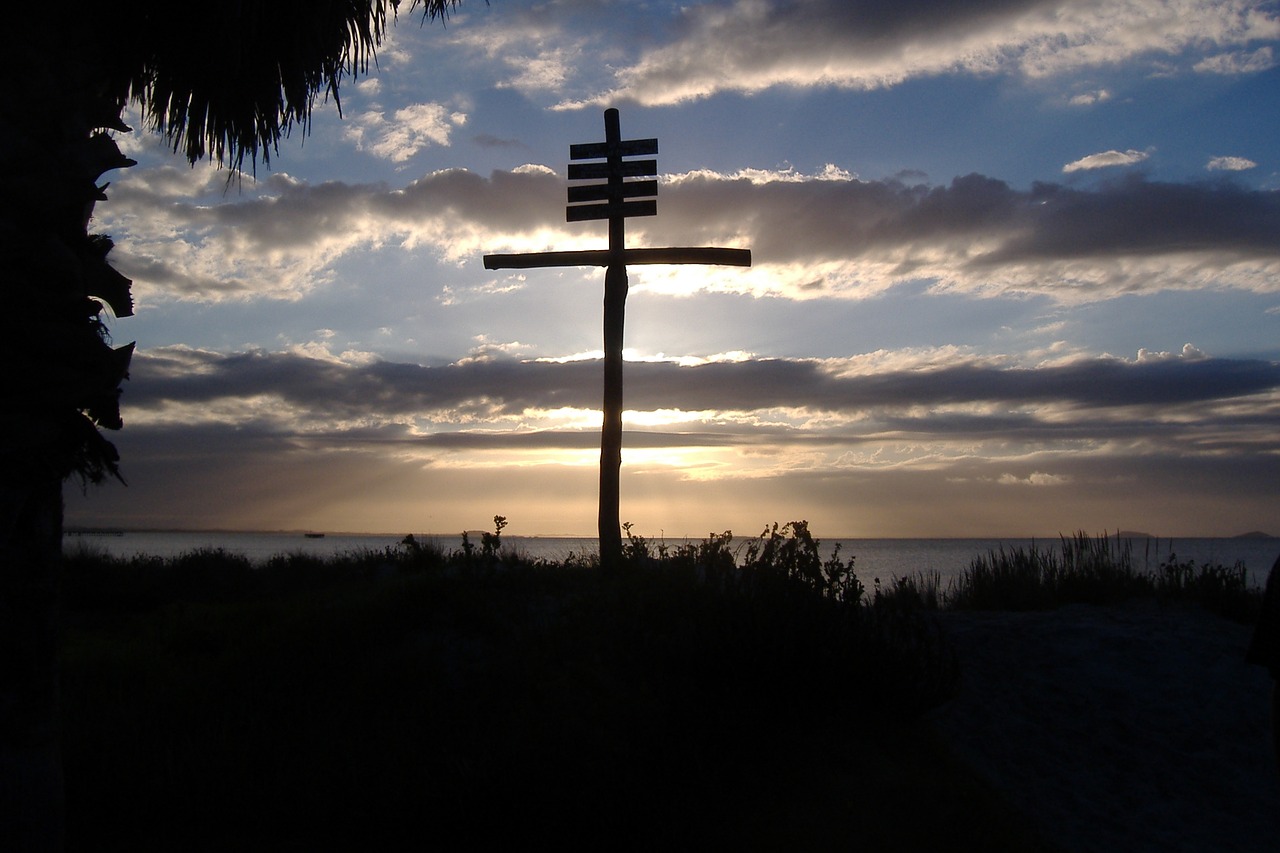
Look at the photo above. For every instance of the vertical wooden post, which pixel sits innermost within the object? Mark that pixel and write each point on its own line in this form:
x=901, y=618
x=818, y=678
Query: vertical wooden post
x=615, y=297
x=615, y=300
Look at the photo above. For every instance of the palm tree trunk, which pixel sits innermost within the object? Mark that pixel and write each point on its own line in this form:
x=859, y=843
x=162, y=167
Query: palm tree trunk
x=31, y=798
x=63, y=383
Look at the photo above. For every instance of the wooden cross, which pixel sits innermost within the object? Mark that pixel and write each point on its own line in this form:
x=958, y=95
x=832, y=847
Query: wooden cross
x=609, y=200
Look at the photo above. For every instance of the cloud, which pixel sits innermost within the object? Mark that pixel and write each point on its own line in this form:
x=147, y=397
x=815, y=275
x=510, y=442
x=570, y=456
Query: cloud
x=488, y=140
x=1107, y=159
x=928, y=430
x=1085, y=99
x=280, y=238
x=827, y=234
x=362, y=390
x=408, y=131
x=540, y=55
x=1238, y=62
x=1188, y=352
x=979, y=235
x=752, y=45
x=1230, y=164
x=206, y=475
x=1035, y=478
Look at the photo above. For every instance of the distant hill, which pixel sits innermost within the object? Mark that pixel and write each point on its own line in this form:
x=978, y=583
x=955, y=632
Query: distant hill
x=1254, y=534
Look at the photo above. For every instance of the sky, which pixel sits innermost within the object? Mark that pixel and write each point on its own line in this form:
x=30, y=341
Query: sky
x=1016, y=273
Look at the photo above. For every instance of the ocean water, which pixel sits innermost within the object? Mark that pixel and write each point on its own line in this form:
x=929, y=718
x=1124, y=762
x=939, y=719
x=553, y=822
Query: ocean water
x=874, y=558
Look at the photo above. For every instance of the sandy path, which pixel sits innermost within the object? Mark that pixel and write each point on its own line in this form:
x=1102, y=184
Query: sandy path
x=1135, y=728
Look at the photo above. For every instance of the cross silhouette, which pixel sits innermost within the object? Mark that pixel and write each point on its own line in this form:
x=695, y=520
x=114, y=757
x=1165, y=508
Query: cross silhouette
x=609, y=200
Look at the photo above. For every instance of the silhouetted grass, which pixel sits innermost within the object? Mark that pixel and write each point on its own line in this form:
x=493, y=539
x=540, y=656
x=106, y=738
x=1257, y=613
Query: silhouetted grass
x=1085, y=570
x=414, y=698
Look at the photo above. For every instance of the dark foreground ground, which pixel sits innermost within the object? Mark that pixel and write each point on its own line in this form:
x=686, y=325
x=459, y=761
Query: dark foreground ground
x=389, y=706
x=1135, y=727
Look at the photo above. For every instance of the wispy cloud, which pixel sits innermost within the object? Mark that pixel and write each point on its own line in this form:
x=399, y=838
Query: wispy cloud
x=1106, y=159
x=751, y=45
x=540, y=53
x=1238, y=62
x=404, y=133
x=488, y=140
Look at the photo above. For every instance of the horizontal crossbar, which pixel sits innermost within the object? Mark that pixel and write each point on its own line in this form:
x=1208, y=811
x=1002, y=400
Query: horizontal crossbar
x=606, y=192
x=619, y=169
x=603, y=257
x=584, y=212
x=622, y=148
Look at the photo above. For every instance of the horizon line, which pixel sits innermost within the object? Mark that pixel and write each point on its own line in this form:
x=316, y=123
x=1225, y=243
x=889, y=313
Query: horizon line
x=95, y=529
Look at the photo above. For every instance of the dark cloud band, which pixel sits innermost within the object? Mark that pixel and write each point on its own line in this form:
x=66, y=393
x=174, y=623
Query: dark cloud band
x=384, y=388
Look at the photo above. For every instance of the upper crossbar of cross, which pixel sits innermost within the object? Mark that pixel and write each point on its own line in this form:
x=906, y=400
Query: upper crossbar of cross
x=616, y=199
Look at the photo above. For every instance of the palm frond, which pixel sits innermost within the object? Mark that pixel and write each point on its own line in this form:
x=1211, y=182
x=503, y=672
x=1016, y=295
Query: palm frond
x=232, y=87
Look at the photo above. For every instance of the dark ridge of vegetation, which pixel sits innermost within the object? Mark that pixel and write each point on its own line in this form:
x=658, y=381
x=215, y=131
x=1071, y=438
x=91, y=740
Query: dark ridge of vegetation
x=417, y=698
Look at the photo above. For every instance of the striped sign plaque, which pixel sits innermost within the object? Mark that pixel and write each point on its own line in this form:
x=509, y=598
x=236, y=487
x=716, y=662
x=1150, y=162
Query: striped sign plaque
x=614, y=171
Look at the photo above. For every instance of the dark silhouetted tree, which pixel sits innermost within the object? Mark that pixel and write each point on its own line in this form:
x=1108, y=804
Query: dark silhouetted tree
x=224, y=83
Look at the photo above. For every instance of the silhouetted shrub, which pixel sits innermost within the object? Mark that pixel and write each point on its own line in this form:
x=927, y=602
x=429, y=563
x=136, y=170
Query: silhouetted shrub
x=1094, y=570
